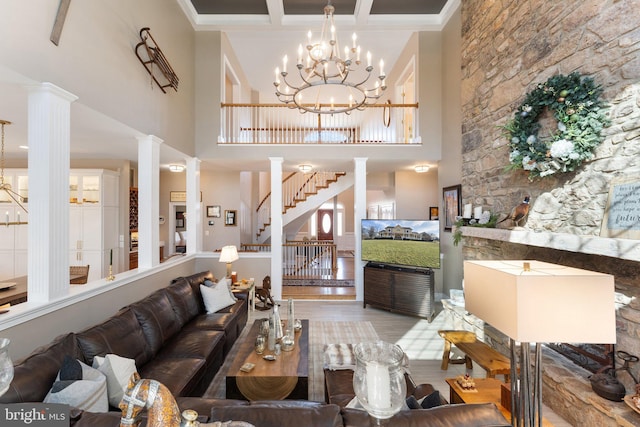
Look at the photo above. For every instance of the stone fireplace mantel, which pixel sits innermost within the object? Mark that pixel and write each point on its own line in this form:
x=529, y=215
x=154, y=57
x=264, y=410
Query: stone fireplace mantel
x=610, y=247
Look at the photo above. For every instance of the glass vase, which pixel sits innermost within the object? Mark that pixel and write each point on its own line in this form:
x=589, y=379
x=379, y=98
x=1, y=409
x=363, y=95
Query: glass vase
x=6, y=366
x=290, y=318
x=378, y=380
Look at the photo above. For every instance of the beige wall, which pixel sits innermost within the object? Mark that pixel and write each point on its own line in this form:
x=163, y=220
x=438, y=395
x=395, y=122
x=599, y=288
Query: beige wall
x=450, y=167
x=95, y=59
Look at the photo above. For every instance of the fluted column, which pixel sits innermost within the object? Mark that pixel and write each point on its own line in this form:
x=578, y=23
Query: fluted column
x=148, y=201
x=194, y=207
x=276, y=227
x=49, y=121
x=360, y=212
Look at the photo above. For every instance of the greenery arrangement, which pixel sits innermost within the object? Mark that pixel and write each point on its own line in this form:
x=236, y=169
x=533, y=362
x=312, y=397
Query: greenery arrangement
x=457, y=227
x=576, y=105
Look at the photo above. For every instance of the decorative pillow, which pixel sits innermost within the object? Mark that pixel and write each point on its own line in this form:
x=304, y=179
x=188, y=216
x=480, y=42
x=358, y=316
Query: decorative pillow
x=118, y=370
x=216, y=297
x=80, y=386
x=224, y=281
x=431, y=400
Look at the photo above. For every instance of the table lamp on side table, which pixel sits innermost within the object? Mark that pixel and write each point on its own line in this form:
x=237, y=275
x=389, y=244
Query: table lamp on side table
x=228, y=255
x=536, y=302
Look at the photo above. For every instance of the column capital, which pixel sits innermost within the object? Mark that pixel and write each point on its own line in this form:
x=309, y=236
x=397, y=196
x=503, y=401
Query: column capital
x=150, y=138
x=47, y=87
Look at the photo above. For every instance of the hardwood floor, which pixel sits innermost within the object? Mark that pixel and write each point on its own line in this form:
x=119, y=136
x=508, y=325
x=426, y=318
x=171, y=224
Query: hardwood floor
x=345, y=271
x=417, y=337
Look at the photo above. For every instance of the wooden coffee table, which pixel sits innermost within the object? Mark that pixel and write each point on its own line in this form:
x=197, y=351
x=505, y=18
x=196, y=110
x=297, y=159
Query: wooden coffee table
x=487, y=391
x=287, y=377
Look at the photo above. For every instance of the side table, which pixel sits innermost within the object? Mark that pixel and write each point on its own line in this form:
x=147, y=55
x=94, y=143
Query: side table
x=250, y=288
x=487, y=391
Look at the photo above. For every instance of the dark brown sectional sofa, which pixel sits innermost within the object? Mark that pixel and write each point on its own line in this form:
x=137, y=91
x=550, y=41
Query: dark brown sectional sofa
x=168, y=333
x=174, y=341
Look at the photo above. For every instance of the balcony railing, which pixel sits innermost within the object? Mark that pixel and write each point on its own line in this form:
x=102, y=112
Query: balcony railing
x=279, y=124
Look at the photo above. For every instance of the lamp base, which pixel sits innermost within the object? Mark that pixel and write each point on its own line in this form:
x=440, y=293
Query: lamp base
x=228, y=270
x=526, y=397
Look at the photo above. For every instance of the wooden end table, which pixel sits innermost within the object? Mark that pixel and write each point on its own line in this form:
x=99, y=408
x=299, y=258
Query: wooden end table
x=487, y=391
x=287, y=377
x=250, y=288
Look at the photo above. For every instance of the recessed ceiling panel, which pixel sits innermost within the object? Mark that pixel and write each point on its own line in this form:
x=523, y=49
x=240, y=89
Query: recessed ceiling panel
x=407, y=7
x=316, y=7
x=230, y=7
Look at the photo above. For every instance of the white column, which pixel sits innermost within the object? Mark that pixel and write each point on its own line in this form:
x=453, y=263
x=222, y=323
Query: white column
x=49, y=116
x=276, y=227
x=148, y=201
x=194, y=207
x=359, y=212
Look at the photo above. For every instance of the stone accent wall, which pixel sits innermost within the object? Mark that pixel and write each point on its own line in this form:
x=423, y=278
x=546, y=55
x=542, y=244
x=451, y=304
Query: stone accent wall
x=507, y=48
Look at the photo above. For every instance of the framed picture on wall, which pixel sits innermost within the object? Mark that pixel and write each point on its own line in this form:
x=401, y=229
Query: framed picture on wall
x=230, y=218
x=213, y=211
x=452, y=202
x=433, y=213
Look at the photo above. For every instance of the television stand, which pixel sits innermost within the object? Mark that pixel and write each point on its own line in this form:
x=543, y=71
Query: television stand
x=403, y=290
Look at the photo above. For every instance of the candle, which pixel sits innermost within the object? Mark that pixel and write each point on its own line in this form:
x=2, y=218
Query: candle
x=300, y=54
x=477, y=212
x=381, y=67
x=18, y=216
x=111, y=257
x=378, y=385
x=285, y=59
x=7, y=220
x=368, y=59
x=467, y=211
x=354, y=37
x=277, y=76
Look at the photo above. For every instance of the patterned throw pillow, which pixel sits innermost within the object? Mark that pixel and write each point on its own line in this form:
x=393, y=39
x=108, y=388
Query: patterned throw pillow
x=79, y=386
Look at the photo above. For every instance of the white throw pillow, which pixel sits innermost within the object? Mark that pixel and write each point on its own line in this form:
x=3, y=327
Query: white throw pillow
x=222, y=282
x=87, y=391
x=118, y=370
x=216, y=297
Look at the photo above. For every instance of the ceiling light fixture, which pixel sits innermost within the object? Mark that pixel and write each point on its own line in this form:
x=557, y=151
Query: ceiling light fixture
x=5, y=186
x=176, y=168
x=324, y=75
x=305, y=168
x=421, y=168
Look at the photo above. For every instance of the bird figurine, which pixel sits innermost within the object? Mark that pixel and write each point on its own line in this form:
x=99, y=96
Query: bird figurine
x=518, y=213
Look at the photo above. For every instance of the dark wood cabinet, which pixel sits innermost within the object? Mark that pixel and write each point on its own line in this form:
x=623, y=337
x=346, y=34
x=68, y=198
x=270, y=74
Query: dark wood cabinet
x=400, y=289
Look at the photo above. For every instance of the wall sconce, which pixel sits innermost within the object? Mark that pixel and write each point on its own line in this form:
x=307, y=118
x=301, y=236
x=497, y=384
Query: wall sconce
x=305, y=168
x=421, y=168
x=176, y=168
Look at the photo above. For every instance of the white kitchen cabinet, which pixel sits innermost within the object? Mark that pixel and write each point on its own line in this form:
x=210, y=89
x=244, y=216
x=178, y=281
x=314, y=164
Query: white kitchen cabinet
x=93, y=220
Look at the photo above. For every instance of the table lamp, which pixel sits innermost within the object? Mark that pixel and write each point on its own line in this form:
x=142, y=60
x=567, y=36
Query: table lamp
x=228, y=255
x=536, y=302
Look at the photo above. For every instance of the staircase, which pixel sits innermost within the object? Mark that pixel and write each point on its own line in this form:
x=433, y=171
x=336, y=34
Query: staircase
x=302, y=194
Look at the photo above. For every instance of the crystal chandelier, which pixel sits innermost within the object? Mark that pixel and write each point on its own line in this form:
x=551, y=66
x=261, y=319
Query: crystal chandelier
x=331, y=83
x=5, y=186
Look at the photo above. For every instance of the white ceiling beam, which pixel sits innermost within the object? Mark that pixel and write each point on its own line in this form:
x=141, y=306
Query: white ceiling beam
x=362, y=12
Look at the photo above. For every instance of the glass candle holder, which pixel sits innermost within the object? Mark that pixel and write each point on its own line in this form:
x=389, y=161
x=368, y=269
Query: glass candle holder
x=260, y=344
x=378, y=380
x=288, y=341
x=6, y=366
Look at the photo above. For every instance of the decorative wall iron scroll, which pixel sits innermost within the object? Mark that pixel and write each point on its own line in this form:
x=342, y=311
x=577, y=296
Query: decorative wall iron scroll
x=152, y=56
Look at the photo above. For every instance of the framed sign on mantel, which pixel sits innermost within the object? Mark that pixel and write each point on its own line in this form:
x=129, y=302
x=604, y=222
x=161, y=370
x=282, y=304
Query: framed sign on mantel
x=622, y=214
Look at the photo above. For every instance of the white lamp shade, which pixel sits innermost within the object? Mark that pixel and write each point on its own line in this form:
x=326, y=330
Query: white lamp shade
x=228, y=254
x=549, y=303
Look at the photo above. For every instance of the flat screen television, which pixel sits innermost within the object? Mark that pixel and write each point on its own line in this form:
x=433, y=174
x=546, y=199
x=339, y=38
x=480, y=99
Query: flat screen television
x=413, y=243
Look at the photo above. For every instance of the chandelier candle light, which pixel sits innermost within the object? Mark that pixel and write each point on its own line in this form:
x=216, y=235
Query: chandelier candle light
x=324, y=75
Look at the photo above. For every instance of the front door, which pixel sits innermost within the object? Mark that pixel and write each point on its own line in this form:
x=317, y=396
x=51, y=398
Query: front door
x=325, y=224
